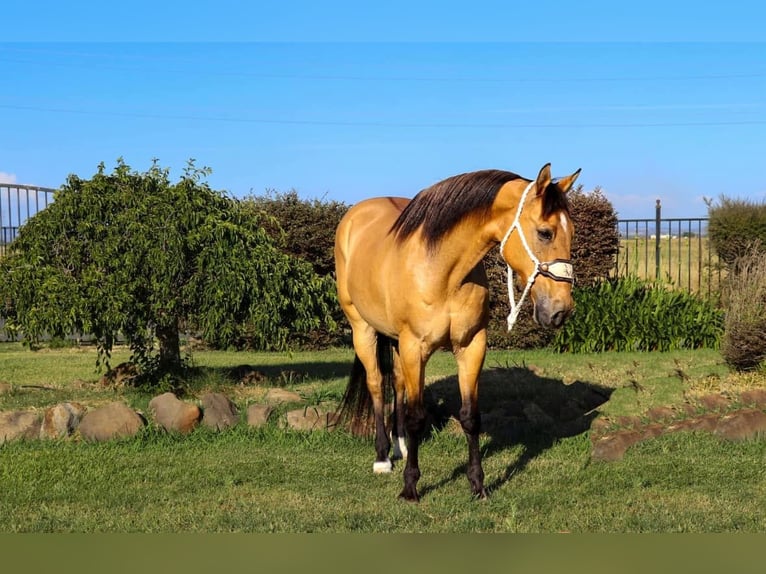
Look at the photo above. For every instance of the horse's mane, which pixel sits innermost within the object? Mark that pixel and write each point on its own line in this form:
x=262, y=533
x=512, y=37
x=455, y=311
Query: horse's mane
x=439, y=208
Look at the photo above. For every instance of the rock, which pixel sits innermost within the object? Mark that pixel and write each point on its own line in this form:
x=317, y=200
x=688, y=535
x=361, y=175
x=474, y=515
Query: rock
x=278, y=396
x=715, y=402
x=755, y=397
x=612, y=447
x=661, y=414
x=258, y=415
x=706, y=423
x=218, y=412
x=311, y=418
x=173, y=414
x=630, y=421
x=5, y=388
x=742, y=425
x=18, y=425
x=61, y=420
x=110, y=421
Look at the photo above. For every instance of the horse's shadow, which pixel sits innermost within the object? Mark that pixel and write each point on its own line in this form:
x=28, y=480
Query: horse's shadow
x=518, y=407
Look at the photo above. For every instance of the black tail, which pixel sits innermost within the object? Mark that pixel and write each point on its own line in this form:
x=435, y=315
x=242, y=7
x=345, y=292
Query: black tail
x=356, y=406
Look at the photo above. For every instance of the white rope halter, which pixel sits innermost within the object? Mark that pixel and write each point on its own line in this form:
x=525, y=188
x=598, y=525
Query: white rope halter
x=558, y=269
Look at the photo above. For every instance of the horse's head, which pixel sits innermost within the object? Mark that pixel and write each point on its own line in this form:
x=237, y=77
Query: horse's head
x=537, y=245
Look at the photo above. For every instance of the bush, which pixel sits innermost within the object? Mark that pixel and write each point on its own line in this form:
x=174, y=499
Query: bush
x=736, y=228
x=303, y=228
x=596, y=240
x=306, y=229
x=744, y=341
x=629, y=314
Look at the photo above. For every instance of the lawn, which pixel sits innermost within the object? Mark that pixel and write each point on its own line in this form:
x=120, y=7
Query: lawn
x=275, y=480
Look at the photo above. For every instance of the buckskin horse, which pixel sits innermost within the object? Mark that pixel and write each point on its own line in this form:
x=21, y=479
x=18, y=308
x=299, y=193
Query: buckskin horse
x=410, y=280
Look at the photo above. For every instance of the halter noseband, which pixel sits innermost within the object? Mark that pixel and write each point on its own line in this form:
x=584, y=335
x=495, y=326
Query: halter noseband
x=557, y=269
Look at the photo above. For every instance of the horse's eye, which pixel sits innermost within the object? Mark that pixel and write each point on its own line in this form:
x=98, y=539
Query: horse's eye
x=545, y=234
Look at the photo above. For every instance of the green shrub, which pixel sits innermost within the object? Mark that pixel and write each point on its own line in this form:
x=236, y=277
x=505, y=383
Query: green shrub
x=596, y=239
x=306, y=229
x=301, y=227
x=744, y=341
x=737, y=227
x=629, y=314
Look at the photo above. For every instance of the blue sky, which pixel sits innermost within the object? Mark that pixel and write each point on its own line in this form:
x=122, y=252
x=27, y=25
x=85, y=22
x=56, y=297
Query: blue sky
x=294, y=97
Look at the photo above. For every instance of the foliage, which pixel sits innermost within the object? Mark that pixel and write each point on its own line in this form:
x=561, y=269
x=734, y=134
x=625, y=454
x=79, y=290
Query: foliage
x=628, y=314
x=136, y=255
x=744, y=341
x=596, y=239
x=306, y=229
x=596, y=242
x=303, y=228
x=736, y=227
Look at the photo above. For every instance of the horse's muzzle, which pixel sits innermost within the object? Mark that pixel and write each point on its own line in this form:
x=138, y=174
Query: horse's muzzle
x=551, y=314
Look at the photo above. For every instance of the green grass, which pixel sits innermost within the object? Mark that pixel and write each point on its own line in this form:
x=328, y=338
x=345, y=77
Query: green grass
x=274, y=480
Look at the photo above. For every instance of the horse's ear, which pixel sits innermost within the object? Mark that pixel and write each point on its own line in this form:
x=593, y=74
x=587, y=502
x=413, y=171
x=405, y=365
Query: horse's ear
x=543, y=179
x=565, y=183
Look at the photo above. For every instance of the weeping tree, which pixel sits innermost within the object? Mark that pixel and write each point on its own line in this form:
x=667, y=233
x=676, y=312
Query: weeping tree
x=135, y=254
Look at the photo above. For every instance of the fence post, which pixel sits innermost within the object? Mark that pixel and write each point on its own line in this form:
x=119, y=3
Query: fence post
x=657, y=225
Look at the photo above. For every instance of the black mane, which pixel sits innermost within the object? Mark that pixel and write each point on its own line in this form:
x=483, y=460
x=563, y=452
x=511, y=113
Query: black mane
x=439, y=208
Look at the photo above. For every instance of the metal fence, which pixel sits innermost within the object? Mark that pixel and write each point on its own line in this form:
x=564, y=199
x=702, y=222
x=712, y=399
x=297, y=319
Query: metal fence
x=673, y=250
x=17, y=204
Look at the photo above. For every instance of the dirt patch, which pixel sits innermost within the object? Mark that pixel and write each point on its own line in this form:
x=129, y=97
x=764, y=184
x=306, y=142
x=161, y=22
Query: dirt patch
x=731, y=417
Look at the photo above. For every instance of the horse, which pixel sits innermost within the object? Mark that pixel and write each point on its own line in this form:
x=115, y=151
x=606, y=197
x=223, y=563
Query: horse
x=410, y=280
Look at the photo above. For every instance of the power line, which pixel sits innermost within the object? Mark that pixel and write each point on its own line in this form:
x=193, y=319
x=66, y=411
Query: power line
x=384, y=124
x=510, y=79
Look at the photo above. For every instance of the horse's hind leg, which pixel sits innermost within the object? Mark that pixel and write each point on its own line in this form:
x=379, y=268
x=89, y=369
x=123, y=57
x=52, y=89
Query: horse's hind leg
x=398, y=434
x=365, y=345
x=469, y=363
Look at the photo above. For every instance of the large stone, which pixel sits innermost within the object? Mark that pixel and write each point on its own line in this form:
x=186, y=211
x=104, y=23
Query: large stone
x=258, y=415
x=61, y=420
x=612, y=447
x=311, y=418
x=110, y=421
x=279, y=396
x=173, y=414
x=19, y=425
x=755, y=397
x=218, y=412
x=742, y=425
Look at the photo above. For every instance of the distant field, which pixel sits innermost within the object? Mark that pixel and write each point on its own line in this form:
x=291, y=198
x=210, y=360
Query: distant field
x=686, y=262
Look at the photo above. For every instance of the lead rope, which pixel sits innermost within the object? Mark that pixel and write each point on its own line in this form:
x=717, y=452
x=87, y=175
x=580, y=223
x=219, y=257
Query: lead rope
x=516, y=307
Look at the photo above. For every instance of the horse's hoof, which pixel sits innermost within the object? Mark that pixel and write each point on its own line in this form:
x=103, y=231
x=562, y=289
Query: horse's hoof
x=382, y=467
x=481, y=495
x=410, y=495
x=400, y=449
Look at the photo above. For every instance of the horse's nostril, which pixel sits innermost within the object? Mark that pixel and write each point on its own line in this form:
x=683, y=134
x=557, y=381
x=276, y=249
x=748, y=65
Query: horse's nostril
x=557, y=319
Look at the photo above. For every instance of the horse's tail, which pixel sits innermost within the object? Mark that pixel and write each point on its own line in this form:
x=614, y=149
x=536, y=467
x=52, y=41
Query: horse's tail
x=356, y=406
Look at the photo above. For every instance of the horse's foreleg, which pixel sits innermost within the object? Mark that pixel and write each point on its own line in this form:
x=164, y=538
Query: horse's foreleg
x=469, y=362
x=413, y=369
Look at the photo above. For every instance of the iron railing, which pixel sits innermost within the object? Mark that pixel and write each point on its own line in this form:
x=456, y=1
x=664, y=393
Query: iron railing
x=673, y=250
x=17, y=204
